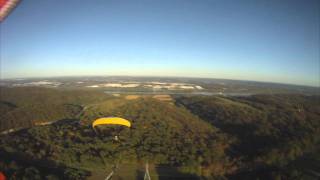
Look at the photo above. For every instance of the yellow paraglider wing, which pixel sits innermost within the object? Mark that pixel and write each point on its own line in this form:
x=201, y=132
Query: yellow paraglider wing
x=111, y=120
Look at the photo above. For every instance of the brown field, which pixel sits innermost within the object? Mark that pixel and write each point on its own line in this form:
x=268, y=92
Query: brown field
x=163, y=97
x=132, y=97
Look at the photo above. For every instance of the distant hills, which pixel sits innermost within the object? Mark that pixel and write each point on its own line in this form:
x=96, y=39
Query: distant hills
x=163, y=85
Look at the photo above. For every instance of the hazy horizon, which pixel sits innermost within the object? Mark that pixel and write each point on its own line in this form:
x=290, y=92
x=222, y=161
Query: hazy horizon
x=148, y=76
x=264, y=41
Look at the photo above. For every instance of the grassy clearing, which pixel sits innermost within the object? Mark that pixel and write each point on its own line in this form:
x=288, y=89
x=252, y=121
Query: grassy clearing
x=132, y=97
x=163, y=97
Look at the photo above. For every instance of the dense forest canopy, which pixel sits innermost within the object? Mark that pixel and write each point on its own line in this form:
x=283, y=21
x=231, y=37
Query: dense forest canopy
x=258, y=136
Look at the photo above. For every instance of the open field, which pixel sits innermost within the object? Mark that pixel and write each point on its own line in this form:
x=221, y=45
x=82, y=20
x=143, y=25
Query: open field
x=163, y=97
x=131, y=97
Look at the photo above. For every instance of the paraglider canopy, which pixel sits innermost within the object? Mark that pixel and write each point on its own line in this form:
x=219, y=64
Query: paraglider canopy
x=111, y=120
x=2, y=176
x=6, y=6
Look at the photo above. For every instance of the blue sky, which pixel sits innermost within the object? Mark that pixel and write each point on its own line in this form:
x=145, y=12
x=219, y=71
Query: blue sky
x=262, y=40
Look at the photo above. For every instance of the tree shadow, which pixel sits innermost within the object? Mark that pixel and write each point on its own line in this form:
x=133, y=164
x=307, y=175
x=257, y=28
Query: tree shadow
x=249, y=143
x=139, y=174
x=63, y=122
x=44, y=165
x=171, y=173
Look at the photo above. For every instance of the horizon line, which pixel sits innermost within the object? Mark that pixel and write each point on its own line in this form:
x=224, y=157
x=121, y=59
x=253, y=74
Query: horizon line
x=193, y=77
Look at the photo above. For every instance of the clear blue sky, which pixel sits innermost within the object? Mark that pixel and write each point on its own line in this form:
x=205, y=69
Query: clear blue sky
x=263, y=40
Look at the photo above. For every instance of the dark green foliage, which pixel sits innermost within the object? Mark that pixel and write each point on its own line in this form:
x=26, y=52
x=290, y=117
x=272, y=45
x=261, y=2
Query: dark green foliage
x=24, y=107
x=254, y=137
x=161, y=133
x=20, y=166
x=271, y=130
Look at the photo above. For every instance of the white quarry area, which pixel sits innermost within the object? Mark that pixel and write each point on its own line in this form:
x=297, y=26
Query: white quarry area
x=186, y=87
x=39, y=83
x=172, y=86
x=121, y=85
x=153, y=85
x=155, y=82
x=199, y=87
x=115, y=85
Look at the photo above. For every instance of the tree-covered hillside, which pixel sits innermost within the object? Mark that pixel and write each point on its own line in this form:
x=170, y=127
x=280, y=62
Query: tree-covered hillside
x=161, y=133
x=26, y=106
x=206, y=137
x=271, y=131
